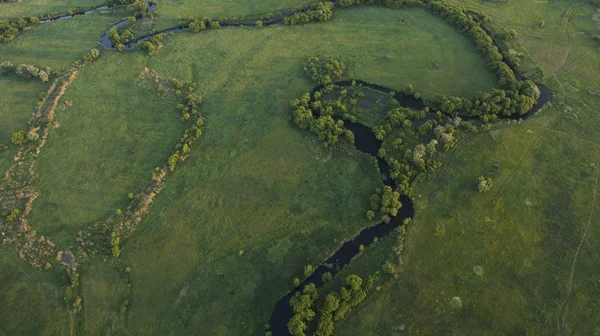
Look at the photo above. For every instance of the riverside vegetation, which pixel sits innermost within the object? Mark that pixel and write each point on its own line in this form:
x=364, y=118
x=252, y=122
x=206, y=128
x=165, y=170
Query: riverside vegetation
x=439, y=98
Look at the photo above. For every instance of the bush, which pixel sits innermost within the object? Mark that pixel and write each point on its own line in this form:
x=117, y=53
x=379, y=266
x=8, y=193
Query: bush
x=7, y=68
x=92, y=55
x=308, y=269
x=197, y=26
x=484, y=184
x=321, y=12
x=324, y=71
x=19, y=138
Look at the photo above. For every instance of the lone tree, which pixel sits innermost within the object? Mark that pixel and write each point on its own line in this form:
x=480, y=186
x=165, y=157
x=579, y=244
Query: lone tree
x=484, y=184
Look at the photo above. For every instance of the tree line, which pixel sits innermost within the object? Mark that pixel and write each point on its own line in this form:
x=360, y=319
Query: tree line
x=320, y=12
x=515, y=97
x=307, y=304
x=26, y=71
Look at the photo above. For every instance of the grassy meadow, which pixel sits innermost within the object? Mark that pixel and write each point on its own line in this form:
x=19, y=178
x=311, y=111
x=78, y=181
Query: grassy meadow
x=174, y=12
x=32, y=300
x=95, y=124
x=536, y=233
x=58, y=44
x=258, y=198
x=106, y=146
x=254, y=182
x=18, y=97
x=27, y=8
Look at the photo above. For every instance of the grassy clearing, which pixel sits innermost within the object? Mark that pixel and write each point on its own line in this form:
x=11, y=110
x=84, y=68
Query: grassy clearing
x=106, y=146
x=104, y=288
x=174, y=12
x=58, y=44
x=18, y=97
x=254, y=182
x=27, y=8
x=32, y=300
x=553, y=46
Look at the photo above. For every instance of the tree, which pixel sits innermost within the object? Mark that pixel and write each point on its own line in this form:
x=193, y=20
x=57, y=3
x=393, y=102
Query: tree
x=197, y=25
x=91, y=55
x=375, y=202
x=370, y=214
x=138, y=7
x=511, y=35
x=259, y=24
x=308, y=269
x=332, y=303
x=484, y=184
x=409, y=90
x=324, y=71
x=19, y=138
x=296, y=326
x=353, y=282
x=390, y=202
x=326, y=277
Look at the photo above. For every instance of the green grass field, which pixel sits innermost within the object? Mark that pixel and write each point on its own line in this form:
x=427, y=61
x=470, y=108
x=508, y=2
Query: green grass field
x=106, y=146
x=18, y=97
x=27, y=8
x=258, y=199
x=60, y=43
x=173, y=12
x=254, y=182
x=95, y=124
x=32, y=300
x=533, y=234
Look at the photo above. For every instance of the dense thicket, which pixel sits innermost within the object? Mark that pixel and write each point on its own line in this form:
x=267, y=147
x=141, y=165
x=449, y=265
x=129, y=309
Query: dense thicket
x=518, y=100
x=325, y=127
x=388, y=3
x=10, y=29
x=388, y=203
x=324, y=71
x=333, y=308
x=320, y=12
x=26, y=71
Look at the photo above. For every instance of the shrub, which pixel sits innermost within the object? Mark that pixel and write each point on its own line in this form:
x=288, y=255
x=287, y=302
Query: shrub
x=19, y=138
x=92, y=55
x=197, y=26
x=308, y=269
x=7, y=68
x=484, y=184
x=324, y=71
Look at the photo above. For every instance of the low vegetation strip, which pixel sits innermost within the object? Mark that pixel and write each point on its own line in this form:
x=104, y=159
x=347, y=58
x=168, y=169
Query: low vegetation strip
x=16, y=192
x=104, y=237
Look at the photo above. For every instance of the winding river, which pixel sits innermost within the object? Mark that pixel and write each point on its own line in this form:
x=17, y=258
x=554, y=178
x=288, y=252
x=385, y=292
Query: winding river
x=366, y=142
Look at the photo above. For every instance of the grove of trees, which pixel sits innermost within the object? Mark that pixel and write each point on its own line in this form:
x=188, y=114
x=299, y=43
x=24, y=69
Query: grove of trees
x=320, y=12
x=333, y=307
x=26, y=71
x=324, y=71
